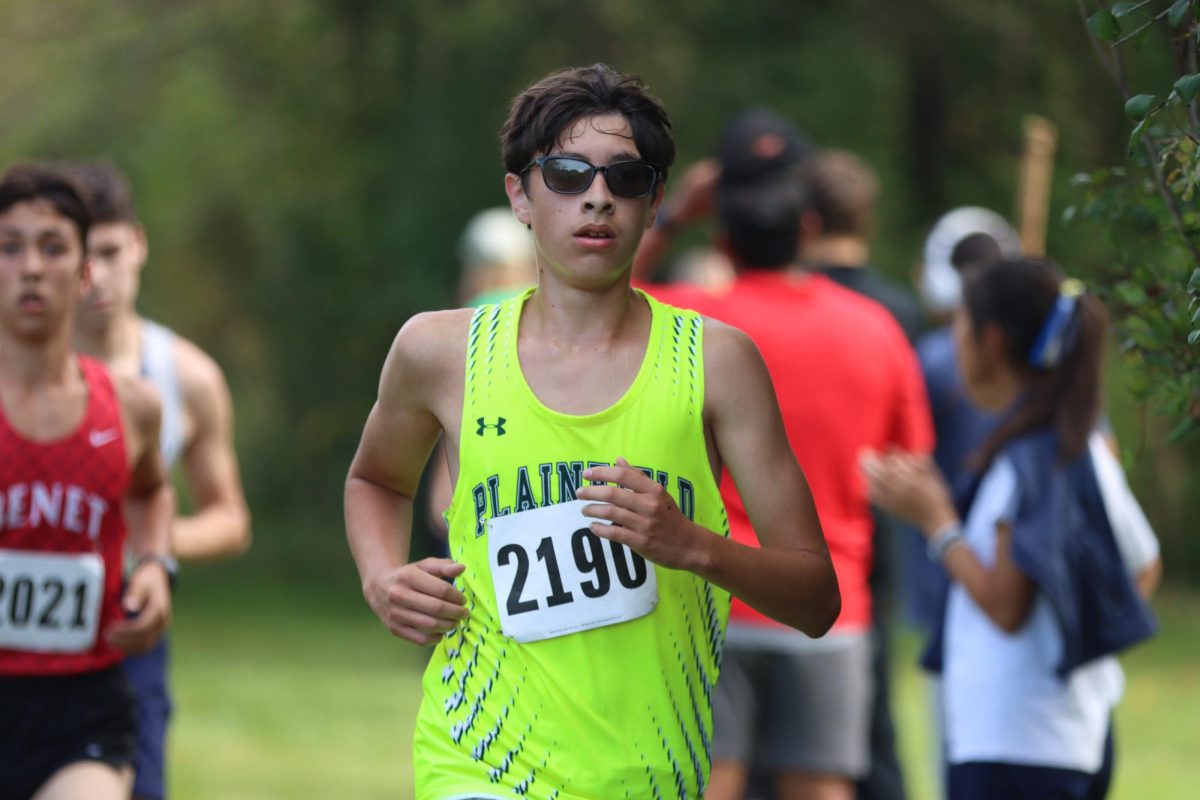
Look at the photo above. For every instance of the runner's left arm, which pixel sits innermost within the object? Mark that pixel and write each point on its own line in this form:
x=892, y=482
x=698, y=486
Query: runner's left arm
x=790, y=578
x=220, y=526
x=149, y=506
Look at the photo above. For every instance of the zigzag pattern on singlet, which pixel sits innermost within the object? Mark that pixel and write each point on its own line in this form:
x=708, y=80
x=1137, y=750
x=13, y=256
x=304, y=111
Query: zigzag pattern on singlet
x=499, y=726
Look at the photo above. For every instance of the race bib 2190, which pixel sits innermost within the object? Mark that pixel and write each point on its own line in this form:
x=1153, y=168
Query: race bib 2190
x=553, y=576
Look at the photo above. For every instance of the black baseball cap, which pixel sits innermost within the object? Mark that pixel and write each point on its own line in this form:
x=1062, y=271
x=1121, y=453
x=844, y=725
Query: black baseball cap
x=759, y=144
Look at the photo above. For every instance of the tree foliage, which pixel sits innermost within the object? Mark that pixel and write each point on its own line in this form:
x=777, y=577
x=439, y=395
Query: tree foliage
x=304, y=168
x=1153, y=207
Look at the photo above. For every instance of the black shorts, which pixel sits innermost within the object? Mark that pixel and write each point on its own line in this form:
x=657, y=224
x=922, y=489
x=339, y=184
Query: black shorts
x=49, y=722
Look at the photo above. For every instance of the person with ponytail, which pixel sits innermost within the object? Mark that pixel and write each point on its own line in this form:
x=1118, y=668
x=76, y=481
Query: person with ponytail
x=1040, y=597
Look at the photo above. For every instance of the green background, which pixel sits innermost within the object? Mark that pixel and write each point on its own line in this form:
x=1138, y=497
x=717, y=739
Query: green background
x=304, y=168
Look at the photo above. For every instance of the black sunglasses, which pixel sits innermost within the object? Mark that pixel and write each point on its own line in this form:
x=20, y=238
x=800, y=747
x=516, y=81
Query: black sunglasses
x=570, y=175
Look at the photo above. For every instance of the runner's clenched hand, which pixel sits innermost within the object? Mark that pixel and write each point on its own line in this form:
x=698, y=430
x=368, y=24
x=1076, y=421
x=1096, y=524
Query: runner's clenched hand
x=644, y=516
x=414, y=601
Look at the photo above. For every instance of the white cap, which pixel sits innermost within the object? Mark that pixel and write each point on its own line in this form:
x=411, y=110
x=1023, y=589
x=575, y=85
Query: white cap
x=493, y=237
x=940, y=285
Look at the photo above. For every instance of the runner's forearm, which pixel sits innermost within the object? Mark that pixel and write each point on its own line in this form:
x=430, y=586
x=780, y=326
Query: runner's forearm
x=378, y=526
x=221, y=530
x=148, y=517
x=797, y=587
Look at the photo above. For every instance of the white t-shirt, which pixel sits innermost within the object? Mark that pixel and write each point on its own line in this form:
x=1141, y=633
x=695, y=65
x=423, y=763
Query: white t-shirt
x=1135, y=538
x=1002, y=699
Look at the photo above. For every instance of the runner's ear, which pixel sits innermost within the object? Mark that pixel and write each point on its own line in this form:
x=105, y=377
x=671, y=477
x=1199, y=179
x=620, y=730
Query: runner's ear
x=514, y=187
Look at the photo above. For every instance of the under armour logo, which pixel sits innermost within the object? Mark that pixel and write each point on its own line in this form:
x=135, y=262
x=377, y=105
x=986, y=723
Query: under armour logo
x=498, y=426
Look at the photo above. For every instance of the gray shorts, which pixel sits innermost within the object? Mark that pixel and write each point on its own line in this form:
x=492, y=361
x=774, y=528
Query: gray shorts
x=795, y=712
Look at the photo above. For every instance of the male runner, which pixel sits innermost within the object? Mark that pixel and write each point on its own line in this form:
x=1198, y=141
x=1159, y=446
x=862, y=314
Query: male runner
x=579, y=643
x=78, y=456
x=197, y=426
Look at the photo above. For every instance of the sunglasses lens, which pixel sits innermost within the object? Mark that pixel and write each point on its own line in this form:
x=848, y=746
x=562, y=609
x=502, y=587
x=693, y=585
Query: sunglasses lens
x=567, y=175
x=630, y=179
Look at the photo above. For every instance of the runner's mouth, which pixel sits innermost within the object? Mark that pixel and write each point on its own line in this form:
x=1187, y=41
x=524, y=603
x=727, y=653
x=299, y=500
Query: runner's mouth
x=31, y=302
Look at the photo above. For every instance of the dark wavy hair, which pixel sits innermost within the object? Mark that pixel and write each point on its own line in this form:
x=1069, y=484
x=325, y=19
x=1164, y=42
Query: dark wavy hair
x=543, y=112
x=106, y=191
x=21, y=183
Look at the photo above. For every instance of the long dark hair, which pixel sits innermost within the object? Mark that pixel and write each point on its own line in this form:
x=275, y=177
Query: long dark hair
x=1027, y=299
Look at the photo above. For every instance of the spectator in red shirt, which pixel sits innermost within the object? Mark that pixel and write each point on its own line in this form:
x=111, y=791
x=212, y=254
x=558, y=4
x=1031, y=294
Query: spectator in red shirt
x=847, y=380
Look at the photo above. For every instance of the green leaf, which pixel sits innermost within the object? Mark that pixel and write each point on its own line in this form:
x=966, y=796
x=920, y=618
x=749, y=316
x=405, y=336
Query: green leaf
x=1194, y=337
x=1188, y=86
x=1123, y=8
x=1131, y=293
x=1135, y=138
x=1143, y=24
x=1141, y=106
x=1103, y=26
x=1178, y=11
x=1185, y=427
x=1194, y=281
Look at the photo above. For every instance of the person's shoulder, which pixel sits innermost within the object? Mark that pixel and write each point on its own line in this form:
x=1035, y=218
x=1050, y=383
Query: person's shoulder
x=1035, y=458
x=726, y=347
x=937, y=341
x=433, y=332
x=868, y=316
x=431, y=345
x=138, y=398
x=200, y=376
x=202, y=385
x=935, y=349
x=897, y=299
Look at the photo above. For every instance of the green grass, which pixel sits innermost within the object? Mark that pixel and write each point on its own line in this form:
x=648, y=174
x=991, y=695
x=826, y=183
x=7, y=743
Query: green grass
x=296, y=692
x=287, y=693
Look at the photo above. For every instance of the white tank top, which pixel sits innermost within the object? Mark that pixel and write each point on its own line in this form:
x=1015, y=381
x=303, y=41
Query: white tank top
x=158, y=367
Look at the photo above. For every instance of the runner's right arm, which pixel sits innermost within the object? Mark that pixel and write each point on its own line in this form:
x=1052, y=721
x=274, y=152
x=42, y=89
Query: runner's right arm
x=412, y=600
x=790, y=578
x=149, y=507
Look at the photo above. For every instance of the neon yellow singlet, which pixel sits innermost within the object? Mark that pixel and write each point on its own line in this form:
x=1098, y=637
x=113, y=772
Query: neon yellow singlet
x=622, y=710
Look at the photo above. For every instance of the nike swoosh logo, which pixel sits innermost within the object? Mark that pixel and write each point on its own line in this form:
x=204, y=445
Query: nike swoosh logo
x=101, y=438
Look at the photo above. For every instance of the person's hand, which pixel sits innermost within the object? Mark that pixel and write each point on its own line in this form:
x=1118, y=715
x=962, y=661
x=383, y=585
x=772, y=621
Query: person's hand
x=147, y=599
x=415, y=602
x=910, y=487
x=644, y=516
x=694, y=196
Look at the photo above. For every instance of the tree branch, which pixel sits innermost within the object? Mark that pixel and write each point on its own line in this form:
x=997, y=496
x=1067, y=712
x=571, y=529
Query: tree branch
x=1133, y=34
x=1116, y=71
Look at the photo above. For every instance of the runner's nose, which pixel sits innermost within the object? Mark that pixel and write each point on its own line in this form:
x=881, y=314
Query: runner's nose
x=598, y=197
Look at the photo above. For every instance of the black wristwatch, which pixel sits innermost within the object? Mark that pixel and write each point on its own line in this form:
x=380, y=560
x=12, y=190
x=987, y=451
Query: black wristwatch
x=169, y=564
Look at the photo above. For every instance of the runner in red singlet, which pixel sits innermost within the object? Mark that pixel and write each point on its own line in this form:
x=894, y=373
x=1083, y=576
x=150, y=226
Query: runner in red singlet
x=78, y=458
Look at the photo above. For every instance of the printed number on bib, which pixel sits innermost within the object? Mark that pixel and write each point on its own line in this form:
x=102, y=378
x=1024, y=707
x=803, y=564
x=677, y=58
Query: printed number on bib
x=49, y=603
x=553, y=576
